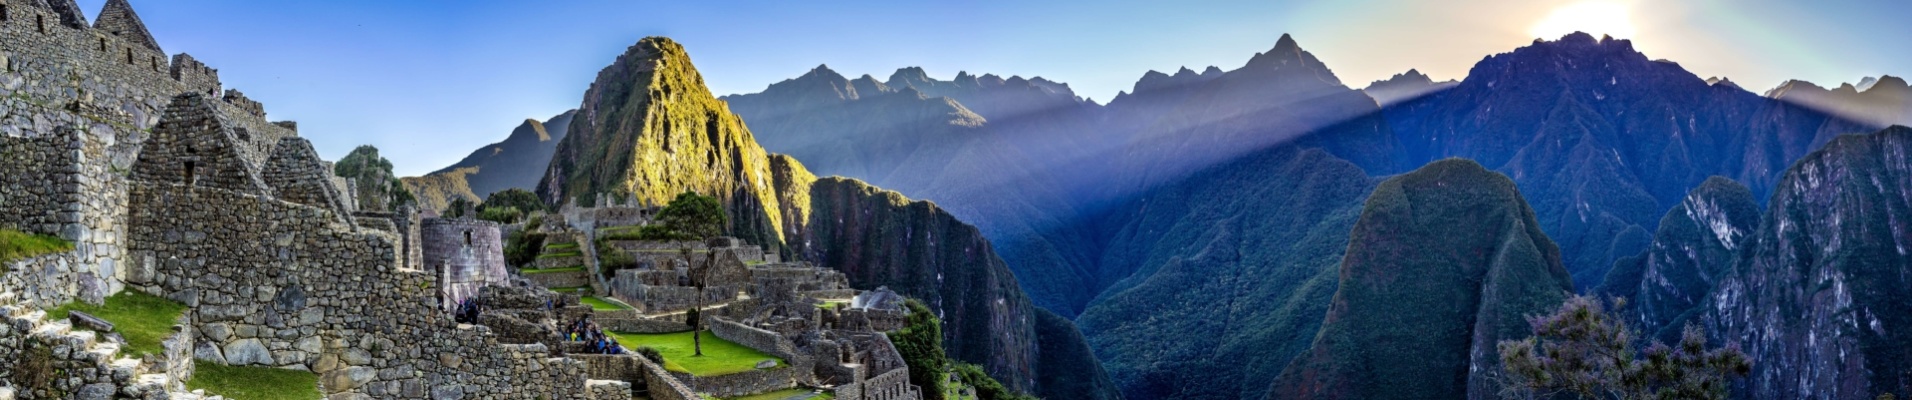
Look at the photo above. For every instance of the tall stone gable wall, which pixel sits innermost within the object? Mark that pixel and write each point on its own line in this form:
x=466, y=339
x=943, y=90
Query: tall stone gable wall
x=295, y=289
x=76, y=106
x=295, y=174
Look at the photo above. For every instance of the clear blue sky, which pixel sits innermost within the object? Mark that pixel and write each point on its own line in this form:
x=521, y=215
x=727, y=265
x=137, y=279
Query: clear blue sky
x=429, y=81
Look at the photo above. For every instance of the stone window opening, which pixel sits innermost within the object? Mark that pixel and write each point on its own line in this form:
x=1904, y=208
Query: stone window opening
x=189, y=172
x=153, y=61
x=129, y=56
x=39, y=22
x=102, y=44
x=4, y=15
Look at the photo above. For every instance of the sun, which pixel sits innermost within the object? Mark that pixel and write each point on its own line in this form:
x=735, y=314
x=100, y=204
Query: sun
x=1593, y=17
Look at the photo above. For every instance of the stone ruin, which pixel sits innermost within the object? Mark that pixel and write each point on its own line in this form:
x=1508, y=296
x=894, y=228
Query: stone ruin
x=169, y=184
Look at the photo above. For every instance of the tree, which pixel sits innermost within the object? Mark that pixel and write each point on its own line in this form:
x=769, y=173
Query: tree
x=701, y=217
x=696, y=323
x=694, y=215
x=458, y=208
x=1582, y=351
x=514, y=198
x=920, y=342
x=378, y=188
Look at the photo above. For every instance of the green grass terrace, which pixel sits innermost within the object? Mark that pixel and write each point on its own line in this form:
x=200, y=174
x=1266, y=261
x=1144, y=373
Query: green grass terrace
x=603, y=304
x=570, y=253
x=143, y=319
x=17, y=245
x=721, y=357
x=530, y=271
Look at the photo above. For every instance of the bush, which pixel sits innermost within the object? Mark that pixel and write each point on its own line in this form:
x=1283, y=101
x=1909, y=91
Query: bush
x=514, y=198
x=651, y=353
x=522, y=247
x=502, y=215
x=611, y=259
x=693, y=215
x=1582, y=351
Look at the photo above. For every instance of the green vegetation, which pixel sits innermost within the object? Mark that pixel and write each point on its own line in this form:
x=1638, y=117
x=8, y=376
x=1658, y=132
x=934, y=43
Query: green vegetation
x=532, y=271
x=144, y=320
x=611, y=259
x=514, y=198
x=720, y=357
x=986, y=388
x=560, y=255
x=17, y=245
x=501, y=215
x=253, y=383
x=602, y=304
x=579, y=289
x=1581, y=351
x=693, y=215
x=792, y=393
x=561, y=246
x=457, y=208
x=921, y=344
x=522, y=247
x=378, y=188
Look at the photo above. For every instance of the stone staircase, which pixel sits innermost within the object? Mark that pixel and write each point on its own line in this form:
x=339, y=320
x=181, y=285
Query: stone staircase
x=93, y=364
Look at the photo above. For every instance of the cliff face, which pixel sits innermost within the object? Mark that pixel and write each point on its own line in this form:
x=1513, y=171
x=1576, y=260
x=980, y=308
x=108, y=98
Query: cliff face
x=1445, y=262
x=1698, y=241
x=880, y=238
x=1823, y=296
x=516, y=162
x=649, y=127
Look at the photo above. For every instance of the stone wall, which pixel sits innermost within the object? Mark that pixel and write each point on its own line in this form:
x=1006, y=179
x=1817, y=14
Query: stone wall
x=893, y=385
x=42, y=362
x=642, y=325
x=466, y=254
x=561, y=279
x=744, y=383
x=762, y=340
x=275, y=283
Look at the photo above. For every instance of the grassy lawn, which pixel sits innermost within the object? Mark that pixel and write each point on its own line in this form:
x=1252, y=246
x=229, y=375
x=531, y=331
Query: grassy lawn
x=601, y=304
x=254, y=383
x=561, y=246
x=529, y=271
x=17, y=245
x=720, y=356
x=143, y=319
x=786, y=394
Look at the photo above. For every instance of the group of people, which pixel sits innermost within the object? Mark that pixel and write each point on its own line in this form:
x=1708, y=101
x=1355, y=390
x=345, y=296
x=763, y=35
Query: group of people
x=467, y=311
x=583, y=330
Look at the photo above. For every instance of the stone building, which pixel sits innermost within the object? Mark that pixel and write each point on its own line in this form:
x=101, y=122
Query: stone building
x=465, y=254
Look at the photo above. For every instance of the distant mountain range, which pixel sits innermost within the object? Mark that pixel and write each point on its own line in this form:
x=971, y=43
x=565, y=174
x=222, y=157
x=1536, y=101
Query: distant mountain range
x=1885, y=100
x=1206, y=228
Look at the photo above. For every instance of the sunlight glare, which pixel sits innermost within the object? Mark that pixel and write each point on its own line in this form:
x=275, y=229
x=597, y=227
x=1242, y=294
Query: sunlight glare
x=1593, y=17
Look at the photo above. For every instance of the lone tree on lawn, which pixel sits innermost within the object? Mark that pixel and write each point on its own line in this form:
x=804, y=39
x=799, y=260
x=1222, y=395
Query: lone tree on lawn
x=1581, y=351
x=697, y=217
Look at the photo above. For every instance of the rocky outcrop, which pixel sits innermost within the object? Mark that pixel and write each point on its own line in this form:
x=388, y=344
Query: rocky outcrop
x=1405, y=86
x=1818, y=301
x=516, y=162
x=649, y=128
x=880, y=238
x=1444, y=263
x=1698, y=242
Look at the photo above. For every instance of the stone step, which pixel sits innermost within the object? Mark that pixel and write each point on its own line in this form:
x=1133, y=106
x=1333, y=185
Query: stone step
x=55, y=328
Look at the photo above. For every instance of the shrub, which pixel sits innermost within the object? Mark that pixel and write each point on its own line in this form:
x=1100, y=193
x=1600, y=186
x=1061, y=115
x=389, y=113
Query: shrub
x=522, y=247
x=1582, y=351
x=693, y=215
x=651, y=353
x=920, y=342
x=515, y=198
x=502, y=215
x=611, y=259
x=987, y=388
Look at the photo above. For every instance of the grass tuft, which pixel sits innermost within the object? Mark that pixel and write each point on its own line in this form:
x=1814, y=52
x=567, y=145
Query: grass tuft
x=143, y=319
x=254, y=383
x=17, y=245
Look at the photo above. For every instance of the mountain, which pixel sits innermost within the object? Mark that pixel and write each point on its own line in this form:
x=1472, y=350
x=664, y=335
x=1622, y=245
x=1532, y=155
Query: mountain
x=1444, y=263
x=1882, y=101
x=649, y=128
x=1238, y=265
x=880, y=238
x=1603, y=140
x=516, y=162
x=1698, y=241
x=1822, y=291
x=1405, y=86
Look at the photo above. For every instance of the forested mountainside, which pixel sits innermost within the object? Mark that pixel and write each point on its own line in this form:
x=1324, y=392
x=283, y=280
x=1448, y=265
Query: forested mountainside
x=1698, y=242
x=1444, y=263
x=880, y=238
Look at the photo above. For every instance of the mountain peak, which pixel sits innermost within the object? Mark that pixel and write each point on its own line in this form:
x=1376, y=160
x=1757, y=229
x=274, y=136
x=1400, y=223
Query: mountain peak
x=1286, y=44
x=1889, y=82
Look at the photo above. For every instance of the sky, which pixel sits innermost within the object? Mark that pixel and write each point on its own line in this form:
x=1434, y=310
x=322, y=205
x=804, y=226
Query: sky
x=428, y=81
